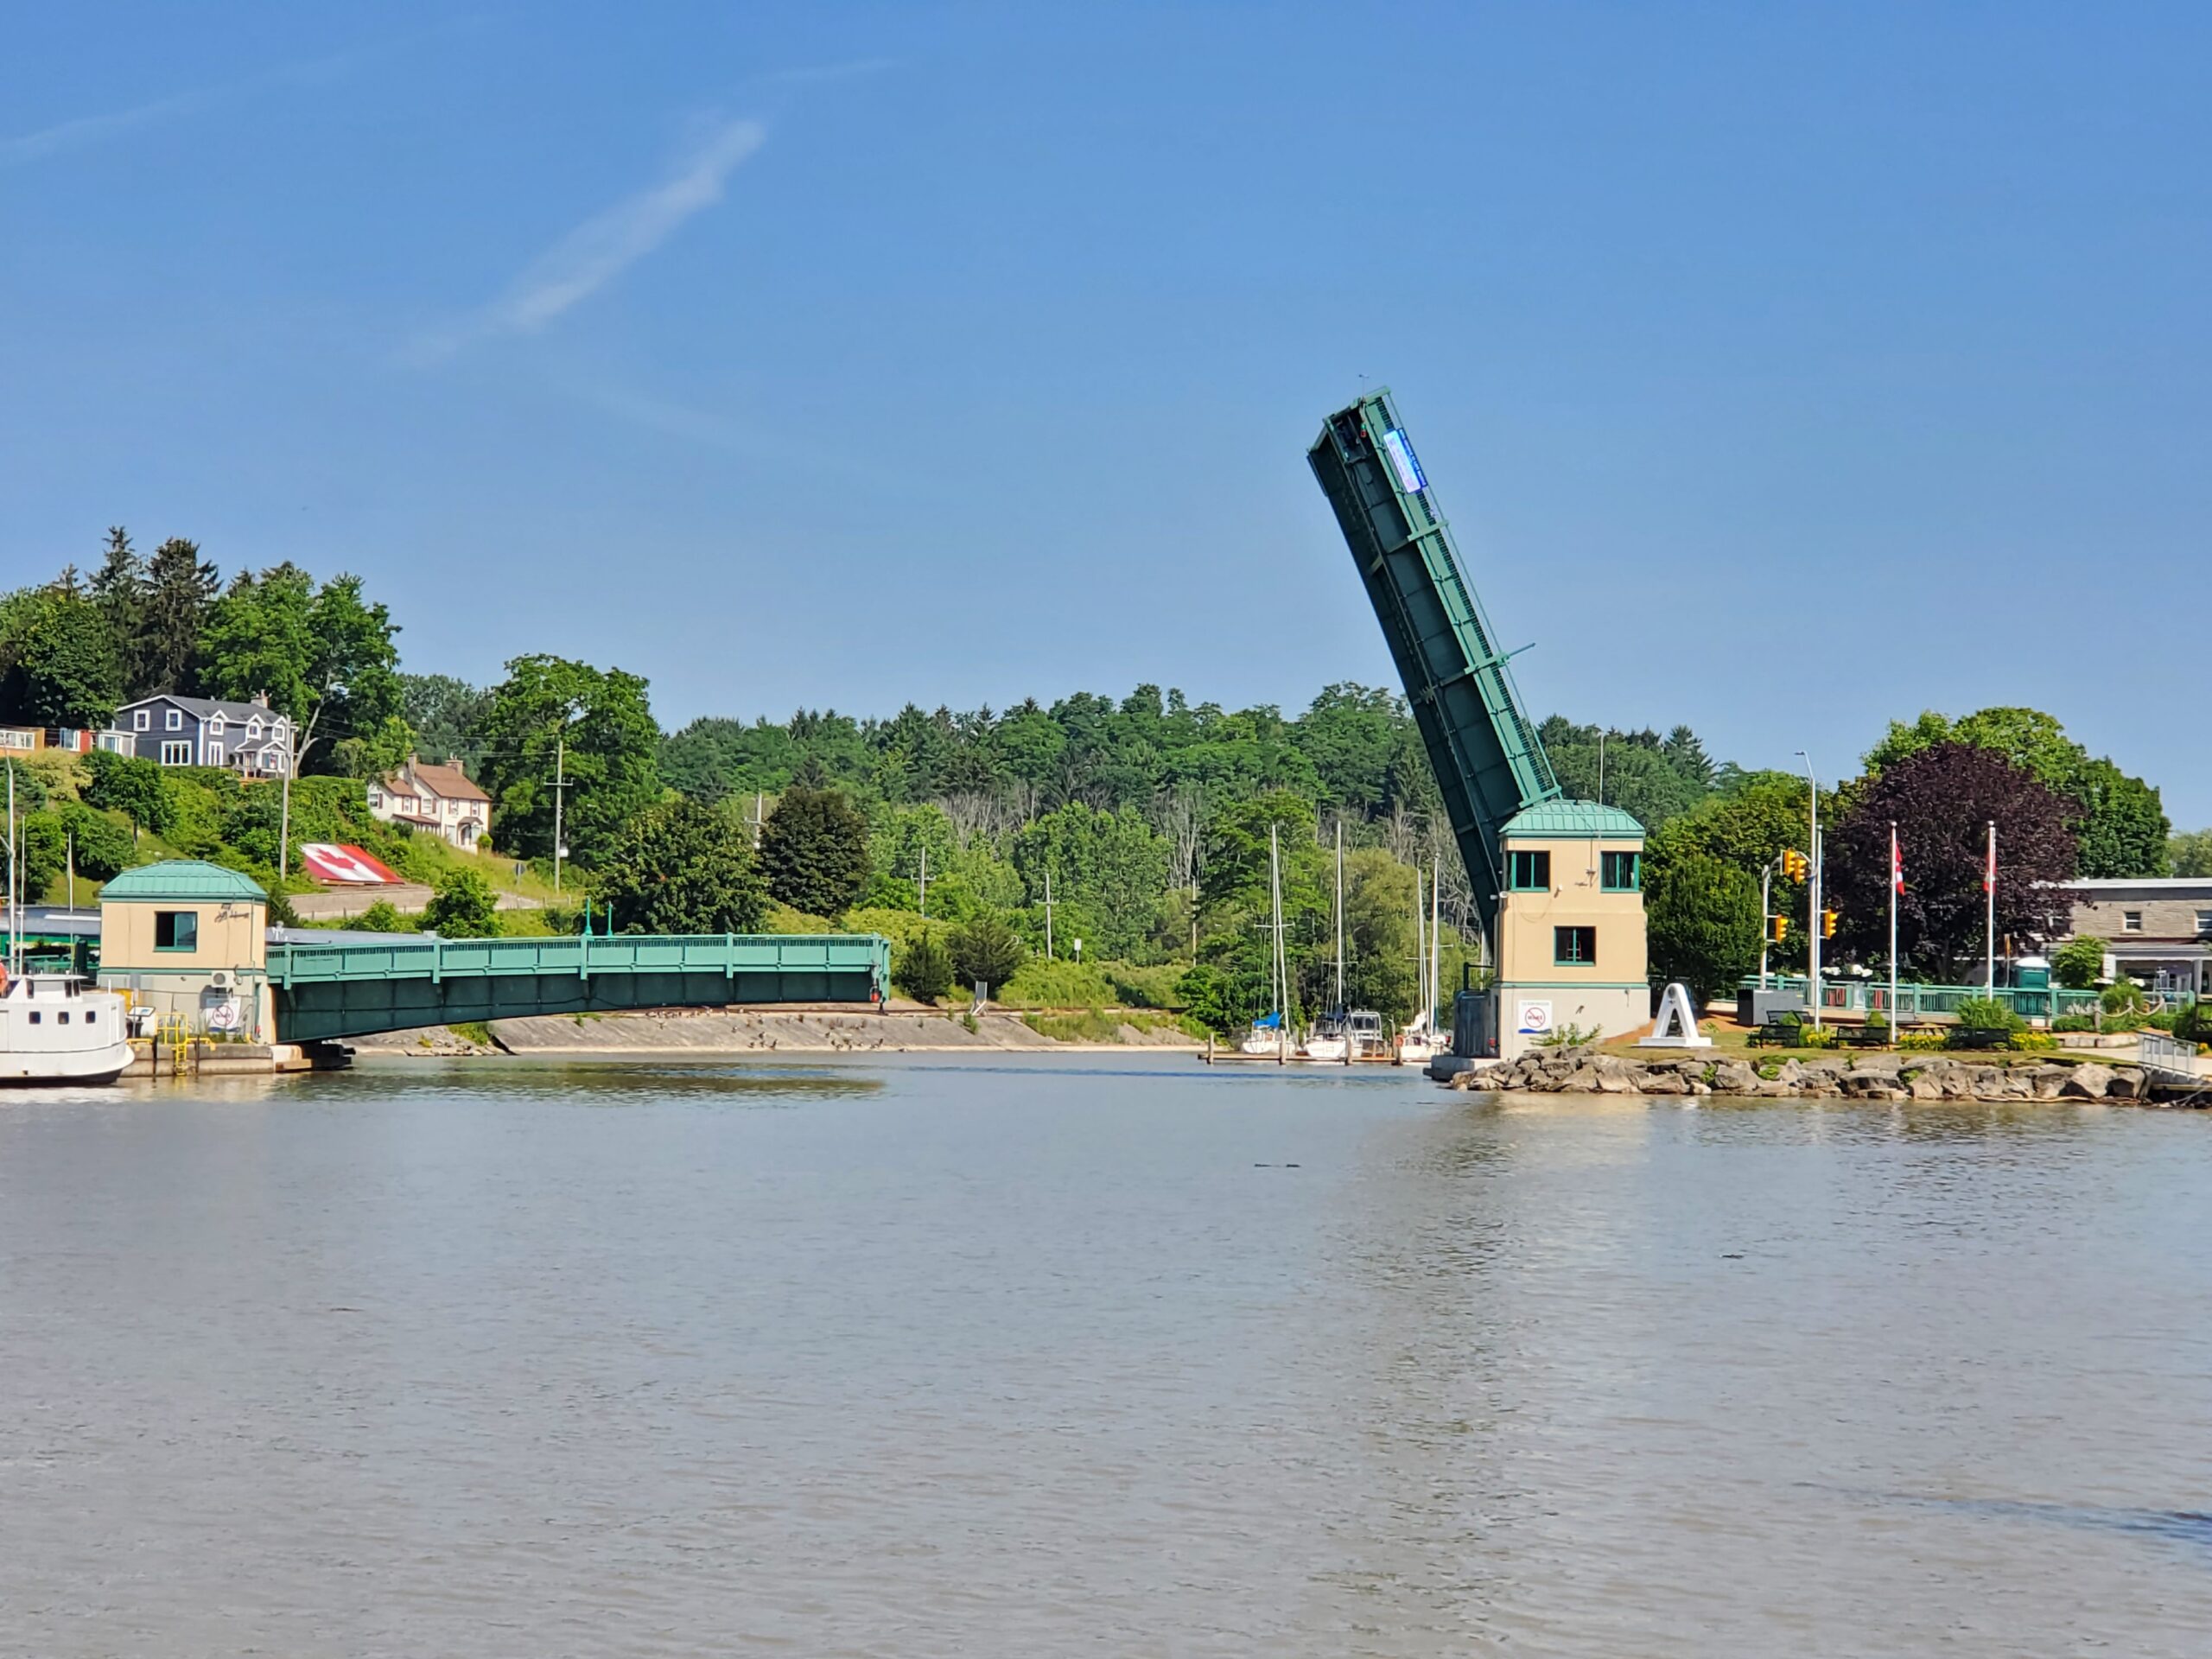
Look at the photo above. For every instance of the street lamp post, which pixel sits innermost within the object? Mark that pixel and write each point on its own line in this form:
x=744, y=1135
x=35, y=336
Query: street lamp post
x=1813, y=915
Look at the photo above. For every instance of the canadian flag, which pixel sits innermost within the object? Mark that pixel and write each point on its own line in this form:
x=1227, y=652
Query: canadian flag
x=1896, y=863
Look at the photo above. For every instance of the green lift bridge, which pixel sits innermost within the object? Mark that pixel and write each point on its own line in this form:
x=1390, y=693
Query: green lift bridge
x=355, y=987
x=1488, y=761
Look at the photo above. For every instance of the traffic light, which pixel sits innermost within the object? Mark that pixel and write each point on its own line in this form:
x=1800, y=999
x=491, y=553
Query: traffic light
x=1827, y=923
x=1795, y=865
x=1777, y=926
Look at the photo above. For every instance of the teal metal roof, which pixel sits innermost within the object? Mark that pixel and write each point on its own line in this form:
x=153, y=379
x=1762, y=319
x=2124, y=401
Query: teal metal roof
x=183, y=878
x=1582, y=820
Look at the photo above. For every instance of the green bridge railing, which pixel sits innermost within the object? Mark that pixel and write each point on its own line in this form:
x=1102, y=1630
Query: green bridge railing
x=1864, y=996
x=354, y=988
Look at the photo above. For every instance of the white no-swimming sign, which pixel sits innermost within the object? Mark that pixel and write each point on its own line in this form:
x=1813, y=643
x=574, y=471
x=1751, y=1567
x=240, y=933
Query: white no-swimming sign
x=1535, y=1020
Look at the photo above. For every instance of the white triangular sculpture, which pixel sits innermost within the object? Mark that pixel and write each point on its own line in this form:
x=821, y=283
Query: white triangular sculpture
x=1676, y=1025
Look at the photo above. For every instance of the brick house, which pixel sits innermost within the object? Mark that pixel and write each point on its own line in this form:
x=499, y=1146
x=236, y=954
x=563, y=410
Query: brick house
x=250, y=738
x=440, y=799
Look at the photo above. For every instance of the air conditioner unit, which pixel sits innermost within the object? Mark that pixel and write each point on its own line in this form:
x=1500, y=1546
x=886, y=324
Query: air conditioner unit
x=222, y=979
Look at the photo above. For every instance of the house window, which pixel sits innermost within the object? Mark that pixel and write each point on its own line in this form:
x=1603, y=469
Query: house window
x=1574, y=947
x=176, y=754
x=1620, y=872
x=176, y=929
x=214, y=754
x=175, y=720
x=1529, y=871
x=142, y=720
x=253, y=727
x=2131, y=921
x=215, y=726
x=2204, y=921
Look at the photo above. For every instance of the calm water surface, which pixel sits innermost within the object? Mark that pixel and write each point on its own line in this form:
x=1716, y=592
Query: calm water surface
x=1127, y=1357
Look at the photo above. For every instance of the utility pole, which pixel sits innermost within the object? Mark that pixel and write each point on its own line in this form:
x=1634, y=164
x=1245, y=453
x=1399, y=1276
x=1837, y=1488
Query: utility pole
x=1048, y=912
x=760, y=813
x=560, y=789
x=923, y=884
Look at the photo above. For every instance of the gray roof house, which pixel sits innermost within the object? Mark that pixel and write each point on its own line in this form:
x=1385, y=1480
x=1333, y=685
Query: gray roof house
x=250, y=738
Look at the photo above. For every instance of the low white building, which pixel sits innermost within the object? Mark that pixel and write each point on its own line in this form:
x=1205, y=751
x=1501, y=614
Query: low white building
x=440, y=799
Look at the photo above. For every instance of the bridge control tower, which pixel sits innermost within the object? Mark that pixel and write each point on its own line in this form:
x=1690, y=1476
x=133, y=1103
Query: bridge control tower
x=1564, y=877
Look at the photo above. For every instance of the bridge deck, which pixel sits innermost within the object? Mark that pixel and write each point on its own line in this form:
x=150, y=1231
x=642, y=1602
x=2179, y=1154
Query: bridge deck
x=355, y=989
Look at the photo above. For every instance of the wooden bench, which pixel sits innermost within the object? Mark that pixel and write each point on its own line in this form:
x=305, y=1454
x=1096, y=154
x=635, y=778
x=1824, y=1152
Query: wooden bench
x=1965, y=1037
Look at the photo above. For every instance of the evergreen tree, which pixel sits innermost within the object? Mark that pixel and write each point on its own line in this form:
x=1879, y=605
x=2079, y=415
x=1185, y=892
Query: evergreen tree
x=814, y=851
x=119, y=589
x=925, y=970
x=180, y=586
x=985, y=951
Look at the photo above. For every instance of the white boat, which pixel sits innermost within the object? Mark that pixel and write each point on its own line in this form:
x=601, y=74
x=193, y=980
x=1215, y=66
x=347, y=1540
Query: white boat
x=54, y=1028
x=1366, y=1036
x=1417, y=1045
x=1265, y=1037
x=1325, y=1042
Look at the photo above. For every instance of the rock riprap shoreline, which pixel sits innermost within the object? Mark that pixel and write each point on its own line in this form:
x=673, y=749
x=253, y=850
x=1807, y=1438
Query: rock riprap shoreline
x=1853, y=1076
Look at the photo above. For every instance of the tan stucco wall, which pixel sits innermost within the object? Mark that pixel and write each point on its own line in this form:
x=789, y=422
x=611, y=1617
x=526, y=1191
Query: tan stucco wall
x=2163, y=919
x=233, y=934
x=1525, y=920
x=1613, y=993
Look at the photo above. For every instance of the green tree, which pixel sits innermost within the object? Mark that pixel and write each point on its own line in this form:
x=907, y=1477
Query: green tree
x=445, y=714
x=57, y=665
x=2079, y=963
x=2120, y=825
x=814, y=850
x=325, y=656
x=551, y=715
x=463, y=907
x=924, y=970
x=984, y=949
x=43, y=850
x=180, y=587
x=1703, y=915
x=134, y=787
x=381, y=917
x=681, y=868
x=2191, y=853
x=100, y=844
x=1109, y=868
x=119, y=589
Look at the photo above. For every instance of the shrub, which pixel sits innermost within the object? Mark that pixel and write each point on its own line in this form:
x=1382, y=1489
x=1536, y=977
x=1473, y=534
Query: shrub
x=1988, y=1013
x=381, y=917
x=2031, y=1042
x=1155, y=987
x=1818, y=1037
x=2194, y=1023
x=2079, y=963
x=1055, y=984
x=2124, y=998
x=2164, y=1020
x=119, y=783
x=2075, y=1022
x=463, y=907
x=1922, y=1042
x=1569, y=1035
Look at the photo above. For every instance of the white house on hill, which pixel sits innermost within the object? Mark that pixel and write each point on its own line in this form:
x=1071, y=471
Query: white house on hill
x=440, y=799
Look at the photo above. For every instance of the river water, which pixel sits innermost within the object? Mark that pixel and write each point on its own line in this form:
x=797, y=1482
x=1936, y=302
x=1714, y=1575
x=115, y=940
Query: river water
x=1033, y=1358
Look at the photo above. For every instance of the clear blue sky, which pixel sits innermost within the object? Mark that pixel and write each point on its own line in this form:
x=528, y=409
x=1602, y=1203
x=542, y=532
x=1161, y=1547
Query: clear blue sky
x=1782, y=367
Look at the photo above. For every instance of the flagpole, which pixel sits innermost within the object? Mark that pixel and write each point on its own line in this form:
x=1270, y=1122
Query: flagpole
x=1897, y=886
x=1989, y=887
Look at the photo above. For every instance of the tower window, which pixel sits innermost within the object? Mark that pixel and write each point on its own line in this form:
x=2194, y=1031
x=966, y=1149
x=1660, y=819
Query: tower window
x=1574, y=947
x=1529, y=871
x=1620, y=872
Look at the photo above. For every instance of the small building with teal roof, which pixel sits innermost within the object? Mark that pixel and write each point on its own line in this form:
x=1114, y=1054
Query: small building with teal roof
x=189, y=937
x=1571, y=943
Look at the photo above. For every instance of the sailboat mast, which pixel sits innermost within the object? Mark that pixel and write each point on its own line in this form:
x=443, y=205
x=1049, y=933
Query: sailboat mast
x=1340, y=915
x=1420, y=953
x=1435, y=936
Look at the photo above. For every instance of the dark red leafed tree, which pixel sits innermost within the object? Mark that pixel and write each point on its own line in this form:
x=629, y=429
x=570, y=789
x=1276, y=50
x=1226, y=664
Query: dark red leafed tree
x=1943, y=801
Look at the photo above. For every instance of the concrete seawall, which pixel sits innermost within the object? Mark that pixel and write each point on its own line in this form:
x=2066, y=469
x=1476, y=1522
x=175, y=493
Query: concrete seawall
x=707, y=1033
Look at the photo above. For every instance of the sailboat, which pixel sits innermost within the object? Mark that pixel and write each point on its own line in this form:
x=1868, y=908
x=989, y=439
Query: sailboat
x=1419, y=1043
x=52, y=1027
x=1328, y=1042
x=1270, y=1035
